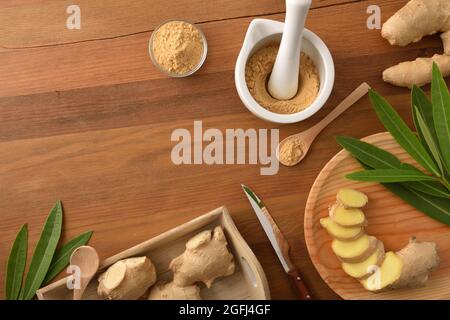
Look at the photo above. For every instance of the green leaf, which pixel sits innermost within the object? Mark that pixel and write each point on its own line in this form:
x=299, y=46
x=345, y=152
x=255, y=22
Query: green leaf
x=431, y=188
x=427, y=136
x=378, y=158
x=389, y=175
x=62, y=255
x=402, y=134
x=43, y=253
x=441, y=113
x=369, y=154
x=420, y=100
x=436, y=208
x=16, y=264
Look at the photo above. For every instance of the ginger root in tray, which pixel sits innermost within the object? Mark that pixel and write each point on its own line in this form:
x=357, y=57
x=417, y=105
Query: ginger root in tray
x=418, y=18
x=363, y=256
x=205, y=259
x=170, y=291
x=127, y=279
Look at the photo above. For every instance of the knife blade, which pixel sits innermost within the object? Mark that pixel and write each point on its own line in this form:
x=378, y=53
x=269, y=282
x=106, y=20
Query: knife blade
x=278, y=241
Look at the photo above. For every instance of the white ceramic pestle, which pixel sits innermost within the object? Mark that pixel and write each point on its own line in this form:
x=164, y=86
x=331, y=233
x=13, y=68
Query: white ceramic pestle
x=283, y=82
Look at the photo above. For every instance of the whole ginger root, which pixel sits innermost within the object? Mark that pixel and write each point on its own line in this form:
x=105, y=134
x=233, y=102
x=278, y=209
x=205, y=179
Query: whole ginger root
x=418, y=18
x=205, y=259
x=170, y=291
x=127, y=279
x=419, y=259
x=417, y=72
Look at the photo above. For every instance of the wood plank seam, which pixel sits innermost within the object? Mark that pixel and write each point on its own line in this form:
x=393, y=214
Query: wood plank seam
x=151, y=30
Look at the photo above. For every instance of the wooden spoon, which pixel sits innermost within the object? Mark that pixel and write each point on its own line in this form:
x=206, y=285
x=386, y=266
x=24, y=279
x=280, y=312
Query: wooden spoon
x=86, y=258
x=303, y=141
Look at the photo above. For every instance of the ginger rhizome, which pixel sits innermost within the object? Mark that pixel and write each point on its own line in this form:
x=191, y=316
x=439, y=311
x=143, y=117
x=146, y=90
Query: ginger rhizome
x=205, y=259
x=170, y=291
x=350, y=198
x=418, y=18
x=363, y=269
x=127, y=279
x=347, y=217
x=339, y=232
x=356, y=250
x=363, y=257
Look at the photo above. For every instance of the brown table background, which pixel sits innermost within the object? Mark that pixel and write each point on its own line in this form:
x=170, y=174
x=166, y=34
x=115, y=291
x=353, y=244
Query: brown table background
x=86, y=118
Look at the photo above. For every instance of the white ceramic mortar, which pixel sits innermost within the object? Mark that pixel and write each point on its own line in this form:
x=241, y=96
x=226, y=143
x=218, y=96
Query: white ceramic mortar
x=263, y=31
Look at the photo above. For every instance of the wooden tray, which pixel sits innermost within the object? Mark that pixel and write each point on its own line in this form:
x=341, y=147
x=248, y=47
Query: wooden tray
x=248, y=282
x=391, y=220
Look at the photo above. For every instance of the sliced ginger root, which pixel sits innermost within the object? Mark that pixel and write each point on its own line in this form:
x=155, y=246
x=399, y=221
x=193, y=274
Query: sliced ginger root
x=170, y=291
x=347, y=217
x=418, y=18
x=363, y=269
x=350, y=198
x=356, y=250
x=388, y=273
x=205, y=259
x=339, y=232
x=127, y=279
x=409, y=267
x=364, y=259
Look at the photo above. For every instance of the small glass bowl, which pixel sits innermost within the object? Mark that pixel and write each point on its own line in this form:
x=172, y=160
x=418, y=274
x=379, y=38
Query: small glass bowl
x=178, y=75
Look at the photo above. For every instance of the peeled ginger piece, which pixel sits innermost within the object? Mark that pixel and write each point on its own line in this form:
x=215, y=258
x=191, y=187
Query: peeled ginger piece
x=347, y=217
x=339, y=232
x=350, y=198
x=356, y=250
x=388, y=273
x=365, y=268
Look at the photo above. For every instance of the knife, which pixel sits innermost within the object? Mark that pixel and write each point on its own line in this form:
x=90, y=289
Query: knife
x=279, y=243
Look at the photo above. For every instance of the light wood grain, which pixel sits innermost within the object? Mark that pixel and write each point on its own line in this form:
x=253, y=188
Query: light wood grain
x=391, y=220
x=247, y=282
x=125, y=60
x=43, y=23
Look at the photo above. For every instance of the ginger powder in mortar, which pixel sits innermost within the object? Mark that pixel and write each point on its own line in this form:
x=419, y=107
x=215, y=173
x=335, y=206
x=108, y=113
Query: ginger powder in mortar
x=257, y=73
x=177, y=47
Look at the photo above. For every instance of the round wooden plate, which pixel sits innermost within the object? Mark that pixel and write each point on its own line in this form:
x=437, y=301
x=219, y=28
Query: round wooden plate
x=391, y=220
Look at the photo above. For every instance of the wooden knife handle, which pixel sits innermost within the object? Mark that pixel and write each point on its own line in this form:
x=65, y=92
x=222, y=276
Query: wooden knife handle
x=299, y=285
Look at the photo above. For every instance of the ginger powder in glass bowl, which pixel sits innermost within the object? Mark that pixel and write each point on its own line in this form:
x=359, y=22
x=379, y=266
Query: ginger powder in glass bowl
x=178, y=48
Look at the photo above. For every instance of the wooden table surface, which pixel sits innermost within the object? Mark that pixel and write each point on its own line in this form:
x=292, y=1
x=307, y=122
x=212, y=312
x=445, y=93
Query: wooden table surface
x=86, y=118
